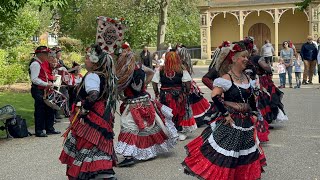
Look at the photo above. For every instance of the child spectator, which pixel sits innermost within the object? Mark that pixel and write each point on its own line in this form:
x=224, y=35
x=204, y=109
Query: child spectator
x=297, y=63
x=282, y=73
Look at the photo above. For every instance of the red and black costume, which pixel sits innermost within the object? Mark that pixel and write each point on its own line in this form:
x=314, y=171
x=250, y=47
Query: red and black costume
x=174, y=95
x=88, y=150
x=146, y=126
x=226, y=152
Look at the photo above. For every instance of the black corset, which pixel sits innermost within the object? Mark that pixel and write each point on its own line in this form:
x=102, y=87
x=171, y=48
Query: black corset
x=175, y=81
x=233, y=94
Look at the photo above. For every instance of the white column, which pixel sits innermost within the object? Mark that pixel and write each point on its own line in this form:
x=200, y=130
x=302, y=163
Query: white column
x=276, y=32
x=205, y=35
x=310, y=20
x=241, y=23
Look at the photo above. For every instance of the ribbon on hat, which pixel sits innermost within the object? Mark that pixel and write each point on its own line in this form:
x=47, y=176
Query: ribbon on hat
x=42, y=50
x=225, y=44
x=236, y=48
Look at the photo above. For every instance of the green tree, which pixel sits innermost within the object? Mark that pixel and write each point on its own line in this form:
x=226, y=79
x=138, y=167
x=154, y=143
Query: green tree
x=21, y=29
x=79, y=20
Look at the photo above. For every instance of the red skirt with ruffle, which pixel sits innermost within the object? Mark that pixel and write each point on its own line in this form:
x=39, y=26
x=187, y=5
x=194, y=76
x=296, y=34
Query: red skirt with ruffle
x=217, y=154
x=88, y=149
x=181, y=109
x=199, y=105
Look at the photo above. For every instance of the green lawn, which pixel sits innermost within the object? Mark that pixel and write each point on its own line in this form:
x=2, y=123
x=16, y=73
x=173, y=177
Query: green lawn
x=22, y=102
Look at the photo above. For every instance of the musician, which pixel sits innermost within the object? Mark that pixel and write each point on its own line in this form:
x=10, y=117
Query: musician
x=63, y=89
x=43, y=114
x=58, y=55
x=74, y=81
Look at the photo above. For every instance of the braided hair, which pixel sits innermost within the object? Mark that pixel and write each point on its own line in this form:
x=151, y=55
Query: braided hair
x=105, y=68
x=125, y=69
x=186, y=59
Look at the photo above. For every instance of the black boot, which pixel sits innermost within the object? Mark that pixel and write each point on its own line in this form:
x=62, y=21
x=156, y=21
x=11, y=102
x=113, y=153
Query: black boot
x=127, y=162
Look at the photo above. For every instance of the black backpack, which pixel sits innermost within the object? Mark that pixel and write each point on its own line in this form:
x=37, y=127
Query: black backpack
x=17, y=127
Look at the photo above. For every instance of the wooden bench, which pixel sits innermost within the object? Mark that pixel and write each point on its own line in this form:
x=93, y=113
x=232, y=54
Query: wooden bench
x=7, y=113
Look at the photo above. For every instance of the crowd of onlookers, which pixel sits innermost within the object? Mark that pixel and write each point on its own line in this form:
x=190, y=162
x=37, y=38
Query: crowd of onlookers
x=291, y=61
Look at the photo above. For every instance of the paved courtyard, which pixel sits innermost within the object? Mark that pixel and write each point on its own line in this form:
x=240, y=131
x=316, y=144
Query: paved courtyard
x=293, y=152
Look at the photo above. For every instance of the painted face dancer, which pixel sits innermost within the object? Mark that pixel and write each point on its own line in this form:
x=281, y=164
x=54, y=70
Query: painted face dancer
x=88, y=149
x=229, y=147
x=146, y=126
x=174, y=92
x=198, y=103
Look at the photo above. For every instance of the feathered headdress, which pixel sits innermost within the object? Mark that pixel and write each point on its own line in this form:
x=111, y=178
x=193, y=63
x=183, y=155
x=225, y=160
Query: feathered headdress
x=216, y=53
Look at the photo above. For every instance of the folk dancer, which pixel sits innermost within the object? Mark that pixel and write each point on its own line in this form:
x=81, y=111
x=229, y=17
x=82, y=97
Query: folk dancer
x=198, y=103
x=229, y=147
x=88, y=149
x=146, y=125
x=174, y=93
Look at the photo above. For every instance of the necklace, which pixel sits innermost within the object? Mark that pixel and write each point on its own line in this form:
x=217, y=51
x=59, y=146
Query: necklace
x=241, y=78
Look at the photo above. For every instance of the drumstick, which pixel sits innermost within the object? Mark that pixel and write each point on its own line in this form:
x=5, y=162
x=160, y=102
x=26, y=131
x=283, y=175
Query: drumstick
x=69, y=128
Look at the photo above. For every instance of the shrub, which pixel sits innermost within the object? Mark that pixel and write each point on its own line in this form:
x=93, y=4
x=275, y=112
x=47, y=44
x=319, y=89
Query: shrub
x=70, y=45
x=12, y=73
x=73, y=56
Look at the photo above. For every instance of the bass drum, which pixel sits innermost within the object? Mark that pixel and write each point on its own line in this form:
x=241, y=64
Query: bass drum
x=55, y=99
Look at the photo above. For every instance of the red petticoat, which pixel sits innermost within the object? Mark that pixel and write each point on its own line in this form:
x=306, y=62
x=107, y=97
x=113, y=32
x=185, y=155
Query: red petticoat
x=88, y=140
x=200, y=107
x=263, y=130
x=143, y=142
x=198, y=165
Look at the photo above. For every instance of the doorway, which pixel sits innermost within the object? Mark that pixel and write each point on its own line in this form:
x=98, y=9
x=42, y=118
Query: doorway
x=260, y=32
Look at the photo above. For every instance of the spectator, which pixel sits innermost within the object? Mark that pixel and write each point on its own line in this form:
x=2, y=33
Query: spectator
x=161, y=61
x=287, y=55
x=318, y=43
x=297, y=69
x=169, y=47
x=155, y=61
x=308, y=54
x=145, y=57
x=292, y=46
x=267, y=51
x=282, y=73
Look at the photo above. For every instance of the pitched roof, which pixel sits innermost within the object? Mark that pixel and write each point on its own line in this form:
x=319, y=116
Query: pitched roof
x=220, y=3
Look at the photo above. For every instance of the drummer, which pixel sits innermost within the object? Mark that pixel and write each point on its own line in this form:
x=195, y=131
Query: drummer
x=43, y=114
x=63, y=89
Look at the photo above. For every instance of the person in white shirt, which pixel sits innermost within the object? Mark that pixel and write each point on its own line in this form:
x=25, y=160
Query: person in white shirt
x=282, y=73
x=297, y=63
x=267, y=51
x=39, y=75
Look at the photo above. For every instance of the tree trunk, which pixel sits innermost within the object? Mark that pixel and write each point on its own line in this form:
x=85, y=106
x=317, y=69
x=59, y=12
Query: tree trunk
x=164, y=4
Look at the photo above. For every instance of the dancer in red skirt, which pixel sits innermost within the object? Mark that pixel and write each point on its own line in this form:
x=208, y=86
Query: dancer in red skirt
x=146, y=126
x=198, y=103
x=229, y=148
x=88, y=149
x=174, y=93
